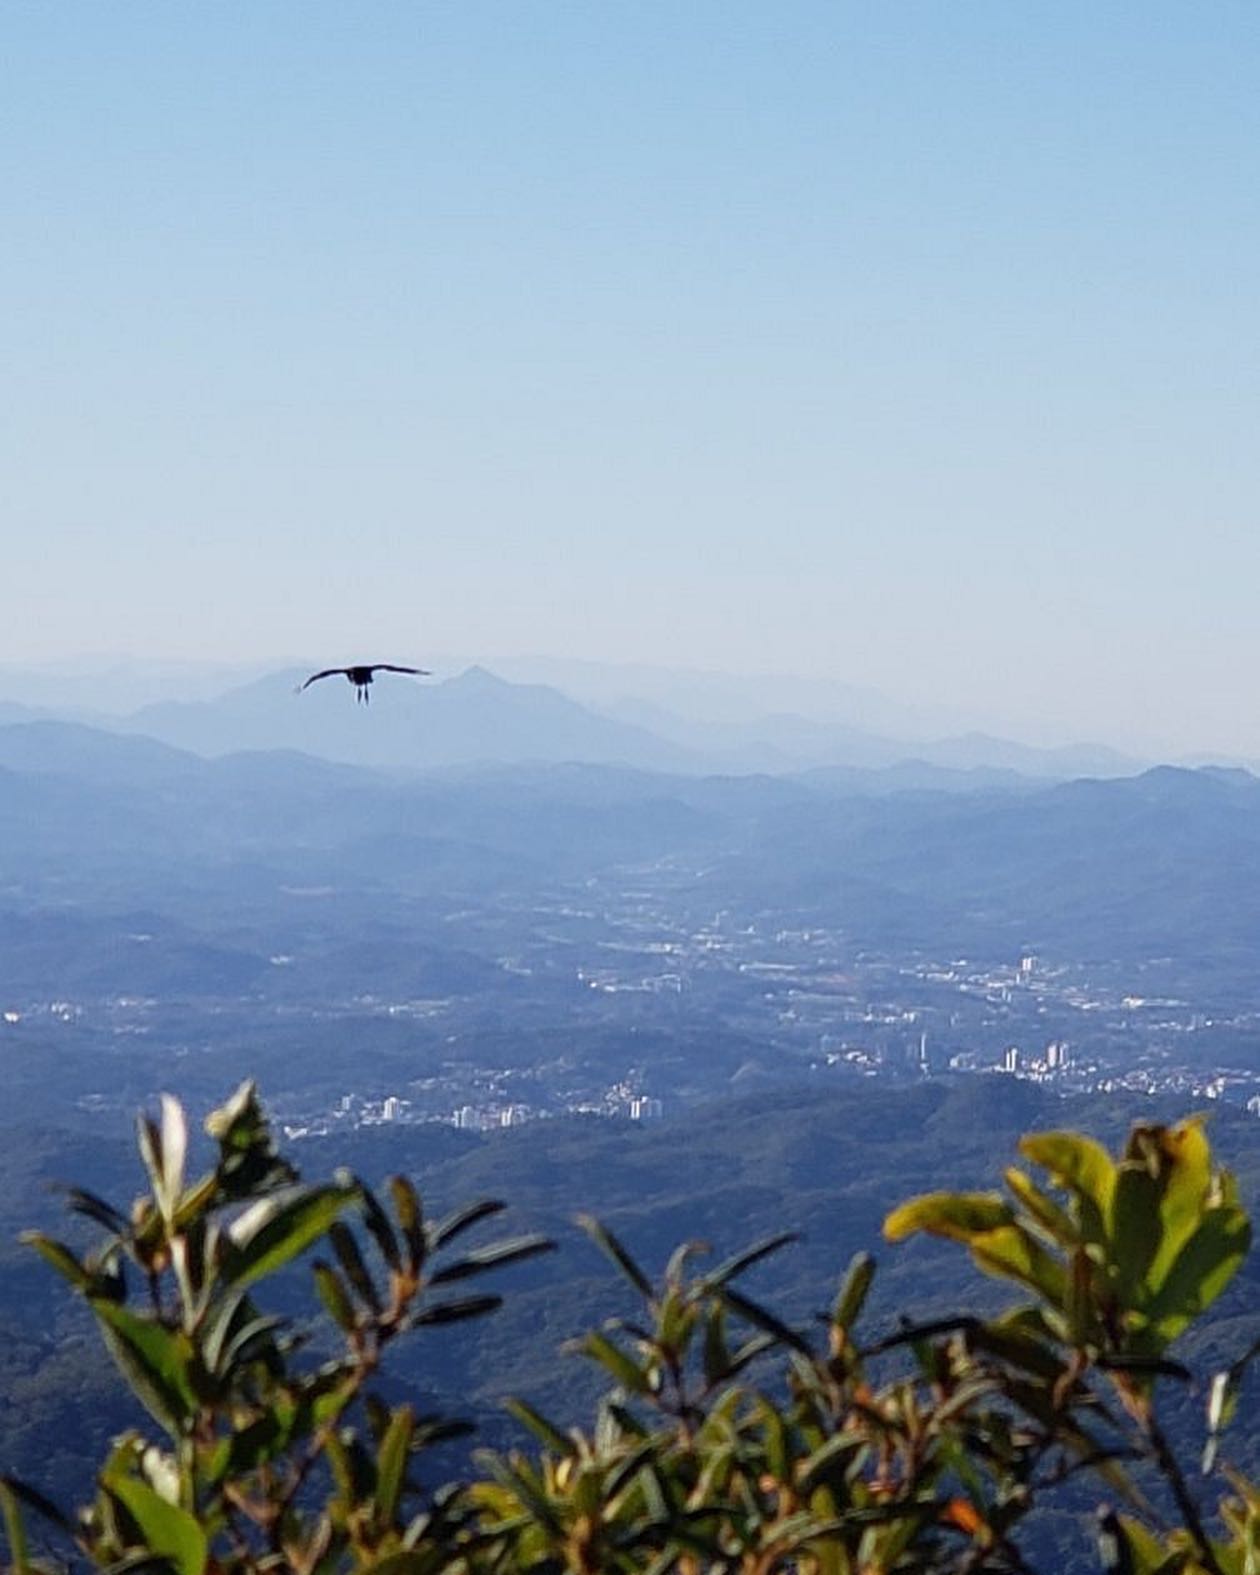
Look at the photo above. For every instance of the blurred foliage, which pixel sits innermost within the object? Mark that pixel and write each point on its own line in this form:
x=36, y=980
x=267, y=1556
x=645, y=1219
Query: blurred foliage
x=727, y=1437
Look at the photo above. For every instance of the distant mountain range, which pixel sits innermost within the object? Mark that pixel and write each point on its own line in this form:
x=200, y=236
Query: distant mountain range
x=473, y=718
x=477, y=717
x=1163, y=863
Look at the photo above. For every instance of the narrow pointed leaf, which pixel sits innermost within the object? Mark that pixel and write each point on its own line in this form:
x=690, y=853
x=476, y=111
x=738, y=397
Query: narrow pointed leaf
x=333, y=1294
x=744, y=1260
x=174, y=1153
x=546, y=1432
x=15, y=1530
x=95, y=1208
x=34, y=1499
x=60, y=1256
x=465, y=1307
x=377, y=1222
x=275, y=1231
x=613, y=1250
x=391, y=1464
x=624, y=1369
x=766, y=1320
x=496, y=1255
x=410, y=1220
x=854, y=1290
x=456, y=1223
x=149, y=1142
x=352, y=1264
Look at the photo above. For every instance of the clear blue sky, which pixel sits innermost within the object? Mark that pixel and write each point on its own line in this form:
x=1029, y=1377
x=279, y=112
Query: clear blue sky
x=916, y=345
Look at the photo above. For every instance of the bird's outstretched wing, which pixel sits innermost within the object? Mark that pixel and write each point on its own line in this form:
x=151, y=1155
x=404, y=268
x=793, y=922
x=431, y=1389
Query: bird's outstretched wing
x=389, y=667
x=328, y=672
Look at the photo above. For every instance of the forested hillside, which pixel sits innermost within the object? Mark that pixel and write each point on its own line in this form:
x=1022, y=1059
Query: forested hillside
x=732, y=1172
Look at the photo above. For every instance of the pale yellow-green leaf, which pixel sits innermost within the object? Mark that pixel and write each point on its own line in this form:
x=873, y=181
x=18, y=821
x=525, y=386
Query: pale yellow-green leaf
x=959, y=1216
x=1080, y=1166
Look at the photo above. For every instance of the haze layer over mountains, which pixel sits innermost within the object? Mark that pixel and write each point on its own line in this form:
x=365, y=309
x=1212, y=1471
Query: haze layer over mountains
x=380, y=847
x=647, y=718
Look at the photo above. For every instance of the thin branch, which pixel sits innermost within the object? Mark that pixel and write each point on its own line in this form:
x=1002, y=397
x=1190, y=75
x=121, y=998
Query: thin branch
x=1167, y=1463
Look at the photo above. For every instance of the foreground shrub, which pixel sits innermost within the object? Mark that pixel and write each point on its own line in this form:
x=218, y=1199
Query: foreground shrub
x=727, y=1441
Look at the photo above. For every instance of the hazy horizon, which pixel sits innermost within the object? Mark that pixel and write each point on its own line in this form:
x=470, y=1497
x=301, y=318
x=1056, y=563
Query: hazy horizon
x=116, y=687
x=907, y=349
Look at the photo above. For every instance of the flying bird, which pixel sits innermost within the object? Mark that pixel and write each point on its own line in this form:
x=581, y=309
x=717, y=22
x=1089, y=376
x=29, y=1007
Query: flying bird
x=361, y=677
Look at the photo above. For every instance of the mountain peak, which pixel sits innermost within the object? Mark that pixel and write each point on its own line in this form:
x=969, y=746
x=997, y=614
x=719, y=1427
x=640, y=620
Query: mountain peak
x=478, y=677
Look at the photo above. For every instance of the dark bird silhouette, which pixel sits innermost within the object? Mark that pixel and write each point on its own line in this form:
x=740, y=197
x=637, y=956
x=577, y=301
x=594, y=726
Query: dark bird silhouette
x=361, y=677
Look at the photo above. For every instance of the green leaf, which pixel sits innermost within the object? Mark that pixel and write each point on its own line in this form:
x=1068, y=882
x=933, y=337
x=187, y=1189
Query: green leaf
x=377, y=1222
x=1082, y=1167
x=749, y=1352
x=244, y=1344
x=95, y=1208
x=149, y=1142
x=441, y=1430
x=756, y=1314
x=546, y=1432
x=1202, y=1270
x=60, y=1256
x=460, y=1220
x=717, y=1355
x=623, y=1368
x=1082, y=1314
x=1134, y=1229
x=494, y=1256
x=34, y=1499
x=773, y=1440
x=1136, y=1548
x=676, y=1268
x=835, y=1452
x=1047, y=1213
x=168, y=1530
x=744, y=1260
x=675, y=1320
x=1188, y=1183
x=333, y=1294
x=633, y=1463
x=454, y=1312
x=854, y=1289
x=391, y=1464
x=956, y=1215
x=410, y=1214
x=276, y=1230
x=248, y=1163
x=352, y=1264
x=227, y=1315
x=156, y=1362
x=15, y=1531
x=616, y=1253
x=1011, y=1253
